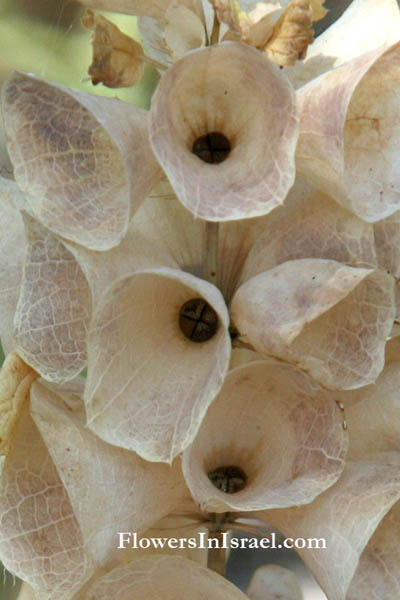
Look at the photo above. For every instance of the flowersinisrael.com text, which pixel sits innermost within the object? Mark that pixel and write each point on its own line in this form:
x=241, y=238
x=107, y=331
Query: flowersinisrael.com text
x=132, y=540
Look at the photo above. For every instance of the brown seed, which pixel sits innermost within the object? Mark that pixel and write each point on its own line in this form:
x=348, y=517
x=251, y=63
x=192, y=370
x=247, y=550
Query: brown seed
x=228, y=479
x=198, y=321
x=212, y=148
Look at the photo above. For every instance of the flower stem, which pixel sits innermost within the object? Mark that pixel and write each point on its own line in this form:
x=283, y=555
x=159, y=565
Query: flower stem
x=215, y=31
x=216, y=559
x=210, y=259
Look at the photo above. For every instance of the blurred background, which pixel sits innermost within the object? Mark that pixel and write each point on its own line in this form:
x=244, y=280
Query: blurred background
x=45, y=37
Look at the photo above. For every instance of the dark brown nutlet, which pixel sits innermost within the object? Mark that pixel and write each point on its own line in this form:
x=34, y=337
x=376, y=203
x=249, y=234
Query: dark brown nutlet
x=198, y=321
x=228, y=479
x=212, y=148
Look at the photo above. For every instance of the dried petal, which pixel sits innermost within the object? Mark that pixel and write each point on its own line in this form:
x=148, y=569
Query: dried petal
x=292, y=34
x=327, y=318
x=40, y=541
x=16, y=378
x=110, y=489
x=12, y=254
x=266, y=402
x=163, y=577
x=364, y=26
x=271, y=582
x=83, y=161
x=149, y=386
x=345, y=516
x=117, y=58
x=54, y=307
x=352, y=154
x=219, y=91
x=311, y=225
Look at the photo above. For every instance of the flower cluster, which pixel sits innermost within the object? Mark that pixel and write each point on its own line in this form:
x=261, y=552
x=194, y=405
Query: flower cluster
x=225, y=266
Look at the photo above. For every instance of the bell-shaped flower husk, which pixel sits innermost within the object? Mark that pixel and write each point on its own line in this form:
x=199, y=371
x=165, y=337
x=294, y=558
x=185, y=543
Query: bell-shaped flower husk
x=330, y=319
x=378, y=572
x=40, y=540
x=345, y=516
x=54, y=307
x=350, y=152
x=364, y=26
x=110, y=489
x=12, y=254
x=272, y=582
x=149, y=385
x=260, y=405
x=311, y=225
x=163, y=577
x=232, y=90
x=84, y=162
x=348, y=514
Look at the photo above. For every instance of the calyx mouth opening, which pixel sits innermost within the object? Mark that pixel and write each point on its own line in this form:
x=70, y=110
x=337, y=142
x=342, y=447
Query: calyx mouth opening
x=212, y=148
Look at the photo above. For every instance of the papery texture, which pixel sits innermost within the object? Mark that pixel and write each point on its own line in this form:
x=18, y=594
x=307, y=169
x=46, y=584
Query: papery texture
x=377, y=575
x=387, y=240
x=149, y=386
x=163, y=577
x=54, y=307
x=40, y=541
x=267, y=402
x=330, y=319
x=348, y=514
x=364, y=26
x=12, y=253
x=184, y=31
x=83, y=161
x=110, y=489
x=221, y=89
x=272, y=582
x=345, y=516
x=310, y=225
x=16, y=378
x=351, y=153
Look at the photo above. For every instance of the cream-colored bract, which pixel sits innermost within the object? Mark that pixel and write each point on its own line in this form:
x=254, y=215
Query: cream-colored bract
x=267, y=402
x=351, y=152
x=84, y=162
x=163, y=577
x=149, y=387
x=54, y=307
x=348, y=513
x=233, y=90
